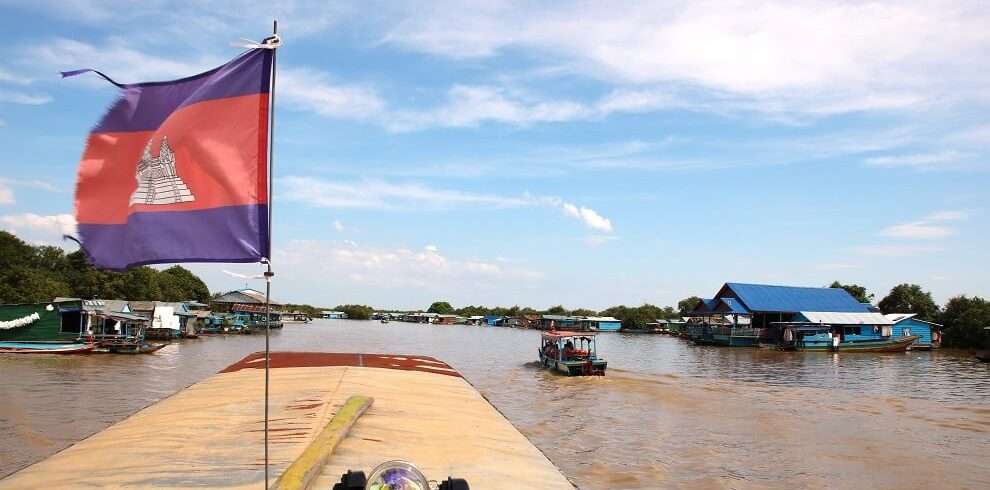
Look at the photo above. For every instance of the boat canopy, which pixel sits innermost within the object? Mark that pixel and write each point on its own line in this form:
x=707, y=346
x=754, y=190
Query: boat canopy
x=561, y=334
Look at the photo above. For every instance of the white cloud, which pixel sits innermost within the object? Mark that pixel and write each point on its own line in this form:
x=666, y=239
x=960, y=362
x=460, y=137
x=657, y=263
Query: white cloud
x=395, y=267
x=224, y=19
x=896, y=250
x=312, y=90
x=116, y=58
x=23, y=98
x=930, y=228
x=430, y=248
x=918, y=160
x=469, y=106
x=337, y=225
x=798, y=56
x=60, y=224
x=380, y=194
x=6, y=195
x=947, y=216
x=979, y=135
x=8, y=77
x=30, y=184
x=918, y=230
x=588, y=216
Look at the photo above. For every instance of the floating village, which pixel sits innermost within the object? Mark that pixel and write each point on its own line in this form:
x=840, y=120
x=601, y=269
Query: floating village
x=738, y=315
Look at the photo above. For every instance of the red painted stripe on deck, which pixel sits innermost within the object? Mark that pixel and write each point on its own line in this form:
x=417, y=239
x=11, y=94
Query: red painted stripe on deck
x=326, y=359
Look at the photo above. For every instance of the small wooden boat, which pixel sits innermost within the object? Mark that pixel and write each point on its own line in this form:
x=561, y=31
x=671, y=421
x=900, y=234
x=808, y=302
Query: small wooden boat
x=142, y=348
x=571, y=353
x=45, y=348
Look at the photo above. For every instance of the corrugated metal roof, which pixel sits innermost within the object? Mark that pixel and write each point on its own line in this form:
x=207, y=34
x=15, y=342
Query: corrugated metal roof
x=705, y=306
x=900, y=317
x=840, y=318
x=791, y=299
x=731, y=305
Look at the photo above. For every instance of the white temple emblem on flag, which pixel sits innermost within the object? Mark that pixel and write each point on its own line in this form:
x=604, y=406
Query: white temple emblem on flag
x=157, y=181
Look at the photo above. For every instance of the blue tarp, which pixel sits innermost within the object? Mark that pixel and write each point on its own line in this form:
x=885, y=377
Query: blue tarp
x=791, y=299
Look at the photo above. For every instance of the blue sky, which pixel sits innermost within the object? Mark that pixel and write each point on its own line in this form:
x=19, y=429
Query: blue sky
x=535, y=154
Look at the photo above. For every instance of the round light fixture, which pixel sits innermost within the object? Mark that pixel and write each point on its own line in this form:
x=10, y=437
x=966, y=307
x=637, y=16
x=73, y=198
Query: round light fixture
x=396, y=475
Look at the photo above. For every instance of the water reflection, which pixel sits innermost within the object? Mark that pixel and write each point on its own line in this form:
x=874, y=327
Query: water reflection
x=668, y=415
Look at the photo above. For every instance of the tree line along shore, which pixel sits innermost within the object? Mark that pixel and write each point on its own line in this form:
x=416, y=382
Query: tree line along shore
x=38, y=273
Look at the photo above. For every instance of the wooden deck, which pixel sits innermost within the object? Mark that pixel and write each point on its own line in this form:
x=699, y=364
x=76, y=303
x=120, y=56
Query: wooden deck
x=210, y=434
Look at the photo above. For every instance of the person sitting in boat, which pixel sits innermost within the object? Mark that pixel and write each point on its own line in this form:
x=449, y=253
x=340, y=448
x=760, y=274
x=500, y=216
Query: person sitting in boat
x=568, y=350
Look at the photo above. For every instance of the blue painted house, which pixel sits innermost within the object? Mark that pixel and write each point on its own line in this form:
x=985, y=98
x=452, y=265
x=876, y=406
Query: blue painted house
x=905, y=324
x=599, y=323
x=495, y=321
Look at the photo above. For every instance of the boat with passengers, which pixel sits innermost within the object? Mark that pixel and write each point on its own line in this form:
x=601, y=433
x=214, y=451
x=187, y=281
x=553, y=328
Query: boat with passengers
x=804, y=336
x=571, y=353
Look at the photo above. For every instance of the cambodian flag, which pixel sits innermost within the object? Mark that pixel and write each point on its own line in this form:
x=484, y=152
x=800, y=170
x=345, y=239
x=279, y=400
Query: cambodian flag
x=177, y=171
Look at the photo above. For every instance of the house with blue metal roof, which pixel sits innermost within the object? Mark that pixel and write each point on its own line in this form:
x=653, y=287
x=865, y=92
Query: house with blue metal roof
x=745, y=314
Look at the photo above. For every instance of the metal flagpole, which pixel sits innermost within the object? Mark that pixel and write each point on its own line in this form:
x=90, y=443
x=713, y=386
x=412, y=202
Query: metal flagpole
x=268, y=273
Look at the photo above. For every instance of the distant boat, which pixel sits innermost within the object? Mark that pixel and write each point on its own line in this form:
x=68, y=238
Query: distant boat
x=45, y=348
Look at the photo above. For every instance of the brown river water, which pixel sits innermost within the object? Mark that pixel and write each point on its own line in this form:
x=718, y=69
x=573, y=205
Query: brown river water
x=668, y=414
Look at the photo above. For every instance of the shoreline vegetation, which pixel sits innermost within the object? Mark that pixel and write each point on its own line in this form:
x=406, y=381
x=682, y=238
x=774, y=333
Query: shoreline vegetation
x=38, y=273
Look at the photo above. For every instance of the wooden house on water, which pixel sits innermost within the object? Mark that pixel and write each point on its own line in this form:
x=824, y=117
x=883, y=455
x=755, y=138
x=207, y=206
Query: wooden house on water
x=246, y=296
x=42, y=322
x=599, y=323
x=907, y=324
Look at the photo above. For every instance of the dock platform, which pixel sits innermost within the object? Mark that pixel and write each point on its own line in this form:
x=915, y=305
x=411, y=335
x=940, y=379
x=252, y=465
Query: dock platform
x=211, y=433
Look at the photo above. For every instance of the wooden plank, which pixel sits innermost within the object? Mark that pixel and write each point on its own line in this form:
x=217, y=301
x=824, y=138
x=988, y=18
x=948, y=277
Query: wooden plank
x=307, y=466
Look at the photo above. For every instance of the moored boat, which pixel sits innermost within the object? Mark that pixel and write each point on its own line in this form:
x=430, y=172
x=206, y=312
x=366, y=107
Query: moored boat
x=27, y=347
x=571, y=353
x=825, y=338
x=142, y=348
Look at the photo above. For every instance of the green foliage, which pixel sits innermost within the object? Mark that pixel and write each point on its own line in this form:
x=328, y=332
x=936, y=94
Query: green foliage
x=638, y=317
x=309, y=310
x=38, y=274
x=441, y=308
x=179, y=283
x=356, y=312
x=964, y=320
x=857, y=291
x=556, y=310
x=910, y=298
x=685, y=305
x=584, y=312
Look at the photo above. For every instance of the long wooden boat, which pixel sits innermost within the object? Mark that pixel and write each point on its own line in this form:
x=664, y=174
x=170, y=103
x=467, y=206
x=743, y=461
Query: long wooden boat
x=571, y=353
x=899, y=344
x=26, y=347
x=410, y=408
